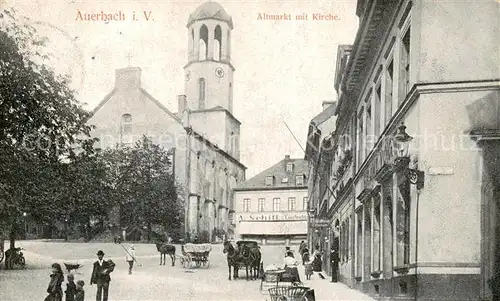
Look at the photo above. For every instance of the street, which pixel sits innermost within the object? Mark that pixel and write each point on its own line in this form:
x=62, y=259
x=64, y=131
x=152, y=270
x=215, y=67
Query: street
x=149, y=281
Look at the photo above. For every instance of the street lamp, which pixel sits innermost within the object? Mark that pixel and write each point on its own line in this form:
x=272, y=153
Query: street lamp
x=402, y=161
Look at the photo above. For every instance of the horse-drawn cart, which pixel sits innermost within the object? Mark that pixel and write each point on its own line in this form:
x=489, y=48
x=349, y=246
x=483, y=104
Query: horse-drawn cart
x=197, y=253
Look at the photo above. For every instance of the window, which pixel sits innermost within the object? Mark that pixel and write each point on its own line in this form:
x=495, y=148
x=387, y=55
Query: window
x=276, y=204
x=126, y=128
x=284, y=180
x=260, y=207
x=405, y=66
x=203, y=43
x=389, y=80
x=403, y=224
x=217, y=43
x=360, y=138
x=230, y=106
x=304, y=203
x=246, y=205
x=378, y=104
x=269, y=180
x=368, y=126
x=299, y=180
x=289, y=167
x=291, y=204
x=201, y=88
x=376, y=239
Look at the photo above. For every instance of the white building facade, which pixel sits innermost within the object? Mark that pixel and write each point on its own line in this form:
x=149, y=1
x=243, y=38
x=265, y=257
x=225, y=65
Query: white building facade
x=272, y=206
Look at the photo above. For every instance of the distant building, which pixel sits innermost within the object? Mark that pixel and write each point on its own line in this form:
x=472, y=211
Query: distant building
x=203, y=135
x=272, y=206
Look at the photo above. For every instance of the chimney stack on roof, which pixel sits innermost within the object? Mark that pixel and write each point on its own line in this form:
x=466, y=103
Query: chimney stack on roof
x=287, y=157
x=128, y=78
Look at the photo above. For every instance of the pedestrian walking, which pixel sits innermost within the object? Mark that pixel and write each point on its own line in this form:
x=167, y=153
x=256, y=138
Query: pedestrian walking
x=55, y=285
x=130, y=257
x=100, y=276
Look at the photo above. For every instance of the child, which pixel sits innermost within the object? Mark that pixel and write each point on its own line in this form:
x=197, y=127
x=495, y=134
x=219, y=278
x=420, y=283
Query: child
x=309, y=270
x=56, y=279
x=70, y=288
x=80, y=293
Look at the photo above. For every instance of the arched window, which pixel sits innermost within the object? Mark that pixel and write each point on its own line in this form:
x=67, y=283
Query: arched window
x=126, y=127
x=201, y=88
x=217, y=43
x=203, y=43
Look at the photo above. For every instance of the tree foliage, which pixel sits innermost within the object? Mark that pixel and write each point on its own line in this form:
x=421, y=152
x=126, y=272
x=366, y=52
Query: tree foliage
x=40, y=120
x=49, y=169
x=145, y=187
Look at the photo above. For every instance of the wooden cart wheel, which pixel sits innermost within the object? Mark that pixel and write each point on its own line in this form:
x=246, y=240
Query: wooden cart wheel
x=2, y=255
x=198, y=263
x=187, y=262
x=206, y=263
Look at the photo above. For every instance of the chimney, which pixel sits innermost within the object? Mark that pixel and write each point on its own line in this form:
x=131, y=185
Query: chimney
x=128, y=78
x=326, y=104
x=181, y=103
x=287, y=157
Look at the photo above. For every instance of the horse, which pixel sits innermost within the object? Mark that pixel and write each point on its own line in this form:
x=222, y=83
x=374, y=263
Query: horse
x=252, y=261
x=164, y=249
x=232, y=259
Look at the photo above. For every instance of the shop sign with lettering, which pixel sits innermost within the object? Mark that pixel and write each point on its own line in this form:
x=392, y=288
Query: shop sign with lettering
x=273, y=216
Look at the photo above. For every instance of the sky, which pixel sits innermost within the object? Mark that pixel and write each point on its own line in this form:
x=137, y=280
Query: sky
x=284, y=69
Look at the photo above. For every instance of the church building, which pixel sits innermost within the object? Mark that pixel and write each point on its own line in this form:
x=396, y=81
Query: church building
x=203, y=135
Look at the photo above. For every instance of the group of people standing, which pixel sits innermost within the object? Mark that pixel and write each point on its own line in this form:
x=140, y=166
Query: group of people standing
x=316, y=264
x=74, y=292
x=100, y=276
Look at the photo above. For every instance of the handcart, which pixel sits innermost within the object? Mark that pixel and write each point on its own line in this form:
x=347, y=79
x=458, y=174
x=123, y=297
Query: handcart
x=197, y=253
x=294, y=293
x=287, y=277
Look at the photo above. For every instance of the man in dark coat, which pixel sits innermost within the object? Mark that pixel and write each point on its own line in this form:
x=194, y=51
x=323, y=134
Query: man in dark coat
x=334, y=260
x=100, y=276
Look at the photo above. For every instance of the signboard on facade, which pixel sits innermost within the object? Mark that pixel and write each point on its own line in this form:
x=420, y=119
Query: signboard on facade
x=273, y=216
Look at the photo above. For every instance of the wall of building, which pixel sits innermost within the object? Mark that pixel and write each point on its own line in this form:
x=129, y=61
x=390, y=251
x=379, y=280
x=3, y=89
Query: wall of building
x=147, y=119
x=458, y=41
x=452, y=189
x=217, y=88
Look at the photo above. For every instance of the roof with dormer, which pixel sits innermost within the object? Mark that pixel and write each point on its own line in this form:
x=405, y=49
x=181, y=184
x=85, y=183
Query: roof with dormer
x=210, y=10
x=283, y=179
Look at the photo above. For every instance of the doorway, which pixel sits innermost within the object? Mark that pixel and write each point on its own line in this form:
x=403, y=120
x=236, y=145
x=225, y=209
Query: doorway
x=490, y=223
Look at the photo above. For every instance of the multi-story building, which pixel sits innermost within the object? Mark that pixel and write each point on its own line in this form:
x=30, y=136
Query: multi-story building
x=272, y=206
x=418, y=108
x=318, y=154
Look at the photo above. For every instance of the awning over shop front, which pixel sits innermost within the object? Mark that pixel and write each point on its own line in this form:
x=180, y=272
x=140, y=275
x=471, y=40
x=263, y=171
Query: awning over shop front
x=273, y=228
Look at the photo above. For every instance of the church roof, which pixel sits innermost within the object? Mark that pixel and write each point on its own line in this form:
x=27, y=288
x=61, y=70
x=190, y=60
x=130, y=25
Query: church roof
x=210, y=10
x=283, y=179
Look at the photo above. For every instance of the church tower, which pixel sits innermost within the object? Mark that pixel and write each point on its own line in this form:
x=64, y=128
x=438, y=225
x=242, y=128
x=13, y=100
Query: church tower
x=209, y=78
x=209, y=72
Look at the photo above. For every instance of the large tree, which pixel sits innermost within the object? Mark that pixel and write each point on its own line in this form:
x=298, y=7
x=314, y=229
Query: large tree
x=145, y=186
x=40, y=119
